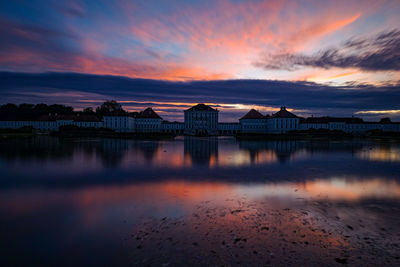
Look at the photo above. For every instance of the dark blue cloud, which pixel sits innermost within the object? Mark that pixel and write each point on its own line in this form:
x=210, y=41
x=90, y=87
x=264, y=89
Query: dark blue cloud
x=85, y=89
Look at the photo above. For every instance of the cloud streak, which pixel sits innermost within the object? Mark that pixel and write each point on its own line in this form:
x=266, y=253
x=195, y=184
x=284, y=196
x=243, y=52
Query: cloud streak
x=378, y=53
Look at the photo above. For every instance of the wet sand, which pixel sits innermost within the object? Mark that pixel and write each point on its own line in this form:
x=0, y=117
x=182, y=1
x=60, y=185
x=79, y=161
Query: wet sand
x=248, y=232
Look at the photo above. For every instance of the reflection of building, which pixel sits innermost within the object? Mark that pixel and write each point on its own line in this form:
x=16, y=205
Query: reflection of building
x=112, y=151
x=148, y=149
x=201, y=120
x=283, y=149
x=201, y=150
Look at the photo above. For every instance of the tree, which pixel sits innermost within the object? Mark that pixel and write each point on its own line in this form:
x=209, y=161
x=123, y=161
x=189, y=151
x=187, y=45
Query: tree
x=60, y=109
x=8, y=111
x=110, y=108
x=385, y=120
x=88, y=110
x=25, y=112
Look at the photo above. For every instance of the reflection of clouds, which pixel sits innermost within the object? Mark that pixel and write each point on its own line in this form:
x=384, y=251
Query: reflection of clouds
x=388, y=154
x=339, y=188
x=92, y=201
x=158, y=198
x=245, y=158
x=333, y=188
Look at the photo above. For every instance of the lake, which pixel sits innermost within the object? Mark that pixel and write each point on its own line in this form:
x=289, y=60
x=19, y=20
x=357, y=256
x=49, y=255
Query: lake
x=198, y=201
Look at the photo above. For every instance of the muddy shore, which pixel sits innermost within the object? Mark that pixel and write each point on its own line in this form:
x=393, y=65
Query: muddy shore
x=257, y=233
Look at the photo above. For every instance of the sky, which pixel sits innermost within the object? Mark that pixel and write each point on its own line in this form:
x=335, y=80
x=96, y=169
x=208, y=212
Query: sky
x=339, y=58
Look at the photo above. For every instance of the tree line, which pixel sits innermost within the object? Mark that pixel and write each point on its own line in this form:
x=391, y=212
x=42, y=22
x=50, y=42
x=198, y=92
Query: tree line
x=32, y=112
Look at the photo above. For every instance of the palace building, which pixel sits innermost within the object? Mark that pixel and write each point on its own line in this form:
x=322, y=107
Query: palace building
x=202, y=120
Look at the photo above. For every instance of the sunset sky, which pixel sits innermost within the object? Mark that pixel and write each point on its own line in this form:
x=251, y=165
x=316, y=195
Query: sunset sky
x=337, y=58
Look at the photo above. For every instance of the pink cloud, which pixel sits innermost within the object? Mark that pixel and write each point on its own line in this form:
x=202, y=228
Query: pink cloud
x=209, y=42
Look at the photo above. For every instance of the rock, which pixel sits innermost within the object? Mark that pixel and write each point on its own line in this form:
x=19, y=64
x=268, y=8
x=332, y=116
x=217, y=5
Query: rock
x=342, y=261
x=236, y=211
x=236, y=240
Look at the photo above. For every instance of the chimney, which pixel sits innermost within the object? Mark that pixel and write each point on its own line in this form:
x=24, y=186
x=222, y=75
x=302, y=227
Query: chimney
x=283, y=108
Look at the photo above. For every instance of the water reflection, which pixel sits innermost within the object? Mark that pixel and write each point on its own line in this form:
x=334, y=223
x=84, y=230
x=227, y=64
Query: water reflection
x=52, y=160
x=183, y=152
x=382, y=153
x=201, y=151
x=83, y=197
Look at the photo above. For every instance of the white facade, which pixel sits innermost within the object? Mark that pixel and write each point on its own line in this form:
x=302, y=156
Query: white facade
x=352, y=127
x=148, y=125
x=40, y=125
x=226, y=128
x=119, y=123
x=201, y=120
x=254, y=125
x=88, y=124
x=282, y=121
x=282, y=125
x=148, y=121
x=172, y=127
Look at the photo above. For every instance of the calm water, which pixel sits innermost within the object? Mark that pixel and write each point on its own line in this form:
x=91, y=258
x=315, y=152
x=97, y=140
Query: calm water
x=69, y=201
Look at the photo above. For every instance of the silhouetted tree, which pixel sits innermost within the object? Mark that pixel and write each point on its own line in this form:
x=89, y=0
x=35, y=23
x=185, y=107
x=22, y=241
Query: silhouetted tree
x=8, y=111
x=88, y=110
x=385, y=120
x=110, y=108
x=32, y=112
x=60, y=109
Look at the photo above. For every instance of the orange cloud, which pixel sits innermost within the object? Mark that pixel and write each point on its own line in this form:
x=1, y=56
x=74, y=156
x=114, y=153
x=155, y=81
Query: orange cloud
x=230, y=36
x=190, y=43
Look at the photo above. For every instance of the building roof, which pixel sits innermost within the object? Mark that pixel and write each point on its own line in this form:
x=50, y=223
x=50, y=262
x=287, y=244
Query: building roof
x=202, y=107
x=148, y=113
x=252, y=114
x=283, y=113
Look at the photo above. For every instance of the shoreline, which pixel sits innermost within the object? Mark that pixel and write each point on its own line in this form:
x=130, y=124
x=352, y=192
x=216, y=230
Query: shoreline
x=108, y=133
